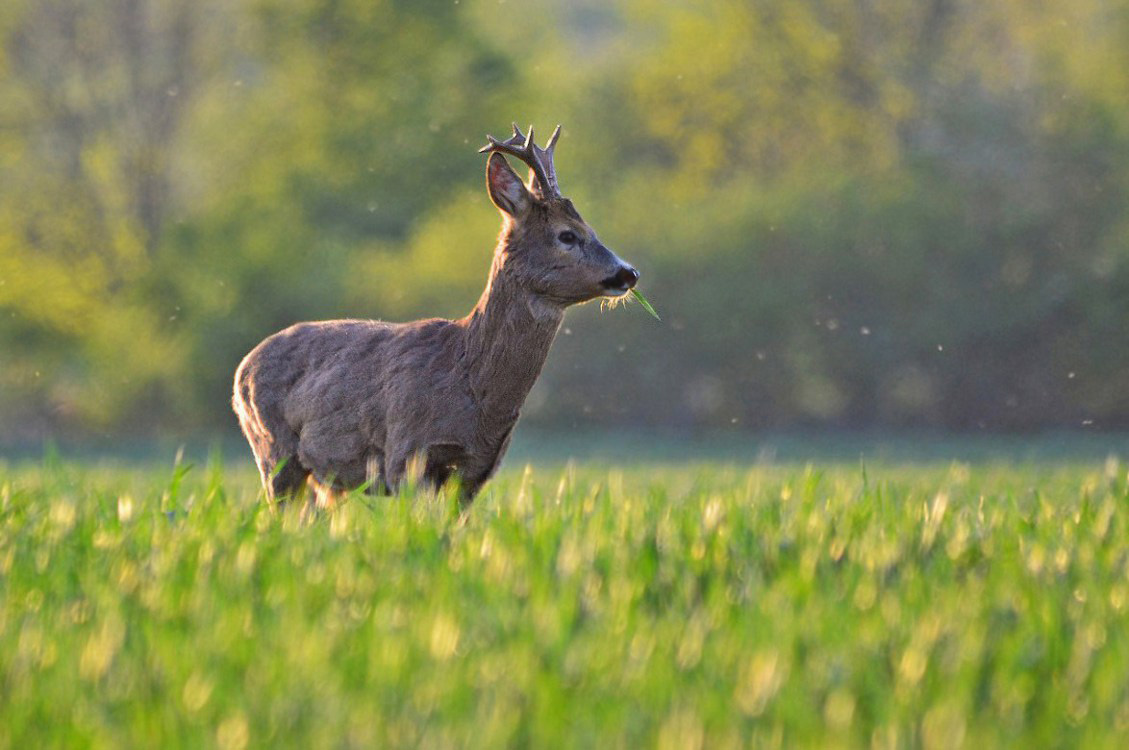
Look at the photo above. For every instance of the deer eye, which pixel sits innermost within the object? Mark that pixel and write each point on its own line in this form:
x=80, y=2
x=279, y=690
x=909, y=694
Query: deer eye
x=567, y=237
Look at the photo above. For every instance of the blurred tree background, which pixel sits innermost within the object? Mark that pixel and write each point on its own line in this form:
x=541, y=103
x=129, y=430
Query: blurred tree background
x=853, y=214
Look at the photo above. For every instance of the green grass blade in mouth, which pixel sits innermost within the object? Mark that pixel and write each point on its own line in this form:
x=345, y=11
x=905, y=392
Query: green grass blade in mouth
x=646, y=305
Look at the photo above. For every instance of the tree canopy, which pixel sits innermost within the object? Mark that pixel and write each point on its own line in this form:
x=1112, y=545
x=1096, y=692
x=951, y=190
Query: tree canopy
x=903, y=214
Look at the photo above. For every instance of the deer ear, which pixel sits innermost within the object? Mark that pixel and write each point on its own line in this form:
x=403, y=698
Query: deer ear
x=505, y=187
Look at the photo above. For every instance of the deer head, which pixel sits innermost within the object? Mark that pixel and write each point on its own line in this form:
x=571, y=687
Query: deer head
x=546, y=246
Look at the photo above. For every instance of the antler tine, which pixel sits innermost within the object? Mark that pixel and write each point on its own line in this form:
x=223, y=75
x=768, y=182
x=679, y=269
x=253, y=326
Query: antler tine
x=539, y=160
x=507, y=146
x=552, y=144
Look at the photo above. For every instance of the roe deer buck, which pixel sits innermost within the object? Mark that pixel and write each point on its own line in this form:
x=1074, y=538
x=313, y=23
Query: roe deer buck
x=342, y=402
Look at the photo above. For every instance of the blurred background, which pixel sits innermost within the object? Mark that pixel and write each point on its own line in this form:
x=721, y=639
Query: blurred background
x=852, y=215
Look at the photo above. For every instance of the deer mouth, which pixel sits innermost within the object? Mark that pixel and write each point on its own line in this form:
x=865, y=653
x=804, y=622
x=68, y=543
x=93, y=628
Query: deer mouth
x=617, y=290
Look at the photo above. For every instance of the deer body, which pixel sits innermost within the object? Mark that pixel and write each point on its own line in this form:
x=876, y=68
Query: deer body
x=348, y=401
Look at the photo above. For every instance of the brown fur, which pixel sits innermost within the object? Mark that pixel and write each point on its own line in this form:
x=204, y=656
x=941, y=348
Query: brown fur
x=343, y=402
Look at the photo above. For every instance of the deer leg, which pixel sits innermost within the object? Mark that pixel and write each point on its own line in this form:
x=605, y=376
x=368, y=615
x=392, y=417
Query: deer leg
x=272, y=441
x=400, y=462
x=442, y=460
x=325, y=496
x=376, y=476
x=282, y=479
x=437, y=474
x=471, y=483
x=477, y=473
x=395, y=467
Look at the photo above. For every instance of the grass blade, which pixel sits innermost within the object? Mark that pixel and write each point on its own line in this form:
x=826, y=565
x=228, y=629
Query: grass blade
x=646, y=305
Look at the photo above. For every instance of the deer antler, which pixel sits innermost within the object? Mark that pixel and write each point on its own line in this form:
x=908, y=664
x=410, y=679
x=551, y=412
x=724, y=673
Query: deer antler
x=540, y=160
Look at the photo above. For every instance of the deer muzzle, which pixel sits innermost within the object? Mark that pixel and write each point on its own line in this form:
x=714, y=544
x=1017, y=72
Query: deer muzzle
x=621, y=281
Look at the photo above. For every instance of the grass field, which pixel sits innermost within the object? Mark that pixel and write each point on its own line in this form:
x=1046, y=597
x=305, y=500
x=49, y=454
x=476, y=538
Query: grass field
x=693, y=606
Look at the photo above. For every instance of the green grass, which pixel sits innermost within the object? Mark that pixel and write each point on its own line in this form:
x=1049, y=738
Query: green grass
x=674, y=607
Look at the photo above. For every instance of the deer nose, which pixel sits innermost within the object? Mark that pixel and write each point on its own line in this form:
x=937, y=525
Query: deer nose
x=625, y=278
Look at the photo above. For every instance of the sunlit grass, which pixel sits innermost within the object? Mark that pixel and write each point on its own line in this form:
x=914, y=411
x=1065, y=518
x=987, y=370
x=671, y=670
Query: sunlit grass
x=679, y=607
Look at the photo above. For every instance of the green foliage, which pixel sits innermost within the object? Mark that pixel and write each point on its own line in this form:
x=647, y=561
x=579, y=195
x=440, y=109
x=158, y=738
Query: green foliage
x=693, y=606
x=646, y=305
x=949, y=178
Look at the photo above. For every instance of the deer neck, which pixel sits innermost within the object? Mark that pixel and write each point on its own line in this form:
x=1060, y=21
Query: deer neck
x=509, y=334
